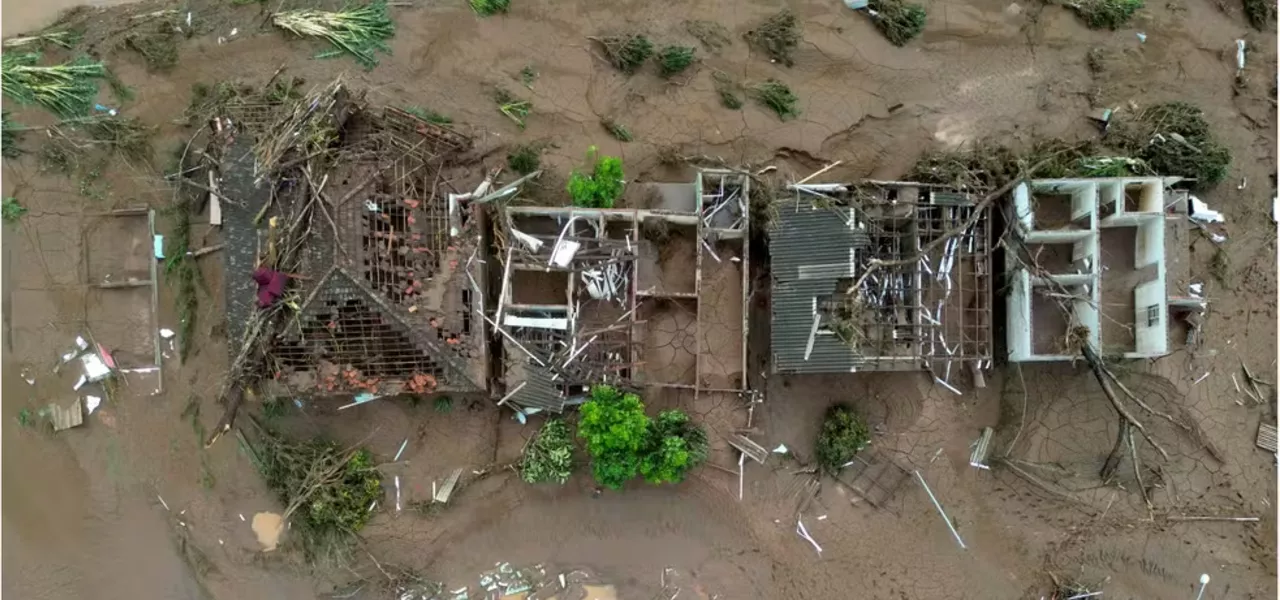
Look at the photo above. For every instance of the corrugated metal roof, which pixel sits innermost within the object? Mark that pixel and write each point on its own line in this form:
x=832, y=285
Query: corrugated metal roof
x=539, y=390
x=807, y=247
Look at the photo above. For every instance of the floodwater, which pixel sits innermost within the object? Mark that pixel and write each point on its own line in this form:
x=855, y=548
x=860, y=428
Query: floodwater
x=22, y=16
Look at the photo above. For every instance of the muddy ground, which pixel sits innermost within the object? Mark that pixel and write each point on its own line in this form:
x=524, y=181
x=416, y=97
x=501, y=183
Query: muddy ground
x=82, y=509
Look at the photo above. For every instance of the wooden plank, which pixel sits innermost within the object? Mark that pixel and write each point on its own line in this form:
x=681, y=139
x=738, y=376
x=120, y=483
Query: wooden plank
x=748, y=447
x=446, y=489
x=981, y=449
x=1266, y=437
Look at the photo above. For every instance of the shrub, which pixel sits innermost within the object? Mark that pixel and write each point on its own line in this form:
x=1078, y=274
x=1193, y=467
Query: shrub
x=778, y=37
x=615, y=428
x=550, y=456
x=525, y=158
x=487, y=8
x=602, y=187
x=843, y=435
x=13, y=210
x=627, y=52
x=777, y=97
x=1173, y=138
x=617, y=130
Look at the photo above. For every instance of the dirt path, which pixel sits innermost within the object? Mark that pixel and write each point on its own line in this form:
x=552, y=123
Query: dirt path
x=81, y=513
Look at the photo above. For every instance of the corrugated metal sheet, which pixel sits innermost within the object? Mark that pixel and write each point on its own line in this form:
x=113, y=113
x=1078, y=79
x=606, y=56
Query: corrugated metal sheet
x=804, y=246
x=539, y=390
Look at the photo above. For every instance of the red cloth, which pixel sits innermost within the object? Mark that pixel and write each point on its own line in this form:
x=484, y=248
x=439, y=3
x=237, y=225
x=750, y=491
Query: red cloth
x=270, y=286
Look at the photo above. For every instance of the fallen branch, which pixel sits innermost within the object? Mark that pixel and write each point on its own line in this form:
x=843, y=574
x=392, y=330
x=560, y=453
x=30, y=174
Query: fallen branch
x=1095, y=363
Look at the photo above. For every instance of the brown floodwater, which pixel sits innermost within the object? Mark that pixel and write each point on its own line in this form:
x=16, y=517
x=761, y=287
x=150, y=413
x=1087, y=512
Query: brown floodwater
x=21, y=16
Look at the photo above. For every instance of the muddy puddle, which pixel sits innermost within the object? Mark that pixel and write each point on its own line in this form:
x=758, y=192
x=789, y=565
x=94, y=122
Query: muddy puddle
x=23, y=17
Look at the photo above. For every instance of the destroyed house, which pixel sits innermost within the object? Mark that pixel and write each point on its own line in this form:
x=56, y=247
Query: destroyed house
x=390, y=291
x=880, y=276
x=633, y=296
x=1098, y=261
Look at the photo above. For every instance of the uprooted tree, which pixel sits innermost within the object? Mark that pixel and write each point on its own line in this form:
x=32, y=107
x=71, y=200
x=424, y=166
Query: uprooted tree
x=624, y=442
x=549, y=458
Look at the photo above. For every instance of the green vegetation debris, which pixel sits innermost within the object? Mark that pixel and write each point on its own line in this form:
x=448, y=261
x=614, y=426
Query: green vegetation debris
x=986, y=166
x=626, y=52
x=525, y=158
x=730, y=91
x=443, y=404
x=209, y=100
x=126, y=136
x=486, y=8
x=778, y=37
x=843, y=435
x=617, y=130
x=360, y=32
x=1220, y=267
x=713, y=36
x=899, y=21
x=67, y=90
x=1172, y=138
x=122, y=92
x=549, y=459
x=285, y=89
x=527, y=75
x=516, y=109
x=1106, y=14
x=66, y=38
x=1260, y=13
x=602, y=187
x=673, y=60
x=9, y=142
x=327, y=490
x=429, y=115
x=13, y=210
x=158, y=47
x=779, y=98
x=623, y=442
x=183, y=274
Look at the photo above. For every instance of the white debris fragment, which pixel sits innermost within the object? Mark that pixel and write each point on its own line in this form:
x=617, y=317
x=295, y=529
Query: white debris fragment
x=1197, y=289
x=1201, y=213
x=397, y=493
x=1239, y=55
x=166, y=333
x=91, y=403
x=804, y=533
x=822, y=517
x=166, y=504
x=781, y=449
x=80, y=383
x=1217, y=238
x=1275, y=209
x=242, y=516
x=401, y=450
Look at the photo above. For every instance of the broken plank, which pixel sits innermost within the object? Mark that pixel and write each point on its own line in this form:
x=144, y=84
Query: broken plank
x=748, y=447
x=446, y=488
x=1266, y=437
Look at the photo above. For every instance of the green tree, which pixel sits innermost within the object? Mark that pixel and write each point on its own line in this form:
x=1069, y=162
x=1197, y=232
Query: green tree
x=615, y=428
x=675, y=446
x=600, y=188
x=843, y=435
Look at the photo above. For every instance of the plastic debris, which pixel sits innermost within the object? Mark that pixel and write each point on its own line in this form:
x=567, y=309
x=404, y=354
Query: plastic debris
x=157, y=247
x=241, y=515
x=1201, y=213
x=397, y=493
x=166, y=333
x=401, y=450
x=1239, y=55
x=360, y=398
x=1275, y=209
x=1197, y=289
x=91, y=403
x=370, y=206
x=781, y=449
x=804, y=533
x=105, y=109
x=28, y=377
x=856, y=4
x=96, y=367
x=166, y=504
x=1142, y=38
x=80, y=383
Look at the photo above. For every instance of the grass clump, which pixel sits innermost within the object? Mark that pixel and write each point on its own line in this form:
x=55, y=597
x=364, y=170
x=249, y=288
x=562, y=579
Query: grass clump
x=10, y=132
x=183, y=273
x=429, y=115
x=13, y=210
x=486, y=8
x=1260, y=13
x=1173, y=138
x=514, y=108
x=443, y=405
x=778, y=37
x=361, y=31
x=602, y=187
x=843, y=435
x=673, y=60
x=713, y=36
x=67, y=90
x=626, y=52
x=899, y=21
x=525, y=158
x=66, y=38
x=1106, y=14
x=777, y=97
x=617, y=130
x=549, y=459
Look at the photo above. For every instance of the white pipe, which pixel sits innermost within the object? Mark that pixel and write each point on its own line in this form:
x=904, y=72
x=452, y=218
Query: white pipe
x=945, y=519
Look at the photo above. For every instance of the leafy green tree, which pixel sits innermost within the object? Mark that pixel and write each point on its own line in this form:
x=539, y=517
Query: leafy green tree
x=675, y=446
x=615, y=428
x=600, y=188
x=550, y=456
x=843, y=435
